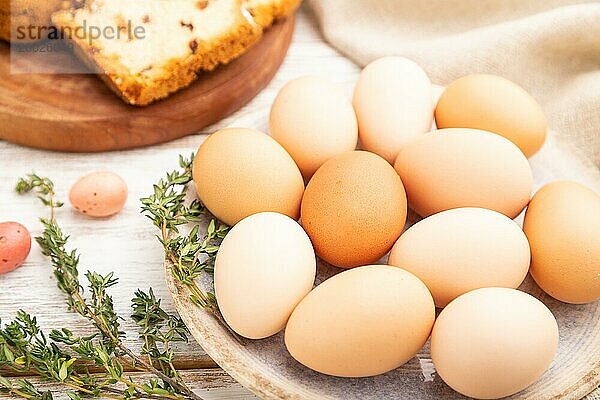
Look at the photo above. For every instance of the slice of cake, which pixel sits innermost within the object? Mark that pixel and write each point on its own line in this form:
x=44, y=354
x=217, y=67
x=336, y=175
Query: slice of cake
x=151, y=48
x=160, y=45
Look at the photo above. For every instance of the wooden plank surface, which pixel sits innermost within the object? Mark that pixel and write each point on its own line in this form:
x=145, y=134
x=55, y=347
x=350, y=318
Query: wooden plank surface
x=125, y=243
x=210, y=383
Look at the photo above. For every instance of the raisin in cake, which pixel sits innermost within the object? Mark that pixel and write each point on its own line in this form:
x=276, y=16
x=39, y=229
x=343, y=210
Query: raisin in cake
x=181, y=38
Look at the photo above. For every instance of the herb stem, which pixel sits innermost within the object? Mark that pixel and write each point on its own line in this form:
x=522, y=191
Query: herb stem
x=101, y=324
x=19, y=393
x=139, y=394
x=50, y=362
x=148, y=346
x=160, y=374
x=140, y=390
x=136, y=360
x=167, y=210
x=199, y=294
x=77, y=387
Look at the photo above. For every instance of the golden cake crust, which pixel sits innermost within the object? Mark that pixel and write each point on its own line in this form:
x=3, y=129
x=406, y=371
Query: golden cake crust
x=39, y=13
x=140, y=89
x=265, y=12
x=24, y=13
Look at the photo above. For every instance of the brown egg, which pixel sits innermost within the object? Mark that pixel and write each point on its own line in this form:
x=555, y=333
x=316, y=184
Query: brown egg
x=494, y=104
x=562, y=224
x=452, y=168
x=363, y=322
x=239, y=172
x=99, y=194
x=354, y=209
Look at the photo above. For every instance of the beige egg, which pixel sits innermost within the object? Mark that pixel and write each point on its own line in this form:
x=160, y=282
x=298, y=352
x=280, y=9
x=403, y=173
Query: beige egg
x=354, y=209
x=562, y=224
x=361, y=322
x=313, y=121
x=99, y=194
x=459, y=250
x=494, y=104
x=393, y=101
x=452, y=168
x=264, y=267
x=493, y=342
x=239, y=172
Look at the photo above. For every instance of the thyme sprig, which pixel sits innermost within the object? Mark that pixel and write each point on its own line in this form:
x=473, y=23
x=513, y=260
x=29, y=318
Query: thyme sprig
x=23, y=388
x=159, y=331
x=44, y=189
x=192, y=254
x=24, y=347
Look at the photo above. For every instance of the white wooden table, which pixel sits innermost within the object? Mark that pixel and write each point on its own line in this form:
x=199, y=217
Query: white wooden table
x=125, y=243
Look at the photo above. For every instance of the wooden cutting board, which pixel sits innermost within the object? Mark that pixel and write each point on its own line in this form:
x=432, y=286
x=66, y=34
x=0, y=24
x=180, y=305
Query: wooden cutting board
x=78, y=113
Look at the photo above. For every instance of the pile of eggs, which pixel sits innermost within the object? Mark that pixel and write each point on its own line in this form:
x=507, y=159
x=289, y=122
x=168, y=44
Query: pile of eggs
x=468, y=179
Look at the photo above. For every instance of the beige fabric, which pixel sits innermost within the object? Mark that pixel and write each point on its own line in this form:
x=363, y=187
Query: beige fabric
x=550, y=47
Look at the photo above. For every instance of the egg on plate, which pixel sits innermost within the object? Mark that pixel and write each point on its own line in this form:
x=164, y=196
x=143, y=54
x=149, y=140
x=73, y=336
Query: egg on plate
x=452, y=168
x=362, y=322
x=462, y=249
x=562, y=224
x=393, y=101
x=354, y=209
x=313, y=121
x=494, y=104
x=264, y=267
x=239, y=172
x=493, y=342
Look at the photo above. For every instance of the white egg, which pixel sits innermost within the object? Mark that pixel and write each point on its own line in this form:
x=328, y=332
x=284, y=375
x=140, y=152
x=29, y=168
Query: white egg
x=490, y=343
x=393, y=100
x=264, y=267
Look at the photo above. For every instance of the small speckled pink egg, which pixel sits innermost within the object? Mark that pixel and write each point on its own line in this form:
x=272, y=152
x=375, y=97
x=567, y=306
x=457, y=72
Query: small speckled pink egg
x=99, y=194
x=15, y=243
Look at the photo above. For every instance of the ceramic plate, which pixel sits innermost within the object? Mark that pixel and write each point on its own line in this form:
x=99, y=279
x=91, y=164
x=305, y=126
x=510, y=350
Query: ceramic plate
x=265, y=367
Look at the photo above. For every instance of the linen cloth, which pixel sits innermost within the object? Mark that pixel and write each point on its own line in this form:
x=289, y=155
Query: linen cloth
x=549, y=47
